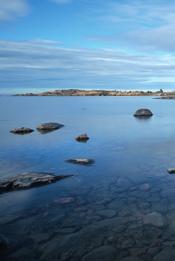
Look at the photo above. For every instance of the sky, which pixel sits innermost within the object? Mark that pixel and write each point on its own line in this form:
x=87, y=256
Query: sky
x=88, y=44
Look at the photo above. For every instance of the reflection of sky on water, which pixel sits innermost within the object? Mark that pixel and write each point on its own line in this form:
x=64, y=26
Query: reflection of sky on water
x=119, y=143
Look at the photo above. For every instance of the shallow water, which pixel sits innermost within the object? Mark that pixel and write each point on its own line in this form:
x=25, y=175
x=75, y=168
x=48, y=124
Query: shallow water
x=120, y=207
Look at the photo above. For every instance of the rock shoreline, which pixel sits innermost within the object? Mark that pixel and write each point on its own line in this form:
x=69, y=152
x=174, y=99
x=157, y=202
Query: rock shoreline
x=77, y=92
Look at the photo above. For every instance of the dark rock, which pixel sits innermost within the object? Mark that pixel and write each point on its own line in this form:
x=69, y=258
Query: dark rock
x=3, y=243
x=131, y=258
x=143, y=113
x=171, y=171
x=167, y=254
x=21, y=130
x=50, y=126
x=28, y=180
x=105, y=253
x=81, y=161
x=82, y=138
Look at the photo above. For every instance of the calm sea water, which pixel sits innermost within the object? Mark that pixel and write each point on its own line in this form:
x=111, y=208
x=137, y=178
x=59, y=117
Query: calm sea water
x=121, y=207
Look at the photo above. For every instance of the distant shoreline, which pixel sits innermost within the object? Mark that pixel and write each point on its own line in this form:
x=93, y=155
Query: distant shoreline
x=78, y=92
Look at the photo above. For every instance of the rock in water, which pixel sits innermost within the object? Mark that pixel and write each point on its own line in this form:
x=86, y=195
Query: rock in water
x=50, y=126
x=167, y=254
x=82, y=138
x=28, y=180
x=21, y=130
x=81, y=161
x=105, y=253
x=3, y=243
x=171, y=171
x=143, y=113
x=154, y=219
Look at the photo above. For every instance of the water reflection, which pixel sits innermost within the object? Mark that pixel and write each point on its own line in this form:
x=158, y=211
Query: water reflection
x=121, y=207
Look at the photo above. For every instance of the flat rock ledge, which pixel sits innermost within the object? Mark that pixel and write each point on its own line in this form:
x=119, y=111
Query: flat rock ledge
x=29, y=180
x=81, y=161
x=21, y=130
x=82, y=138
x=143, y=113
x=50, y=126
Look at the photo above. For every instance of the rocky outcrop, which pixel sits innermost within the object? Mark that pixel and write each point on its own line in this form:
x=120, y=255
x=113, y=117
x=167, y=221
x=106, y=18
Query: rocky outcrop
x=82, y=138
x=81, y=161
x=21, y=130
x=50, y=126
x=77, y=92
x=143, y=113
x=28, y=180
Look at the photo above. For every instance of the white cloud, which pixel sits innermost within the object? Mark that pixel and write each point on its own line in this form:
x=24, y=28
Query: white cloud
x=140, y=24
x=10, y=9
x=46, y=63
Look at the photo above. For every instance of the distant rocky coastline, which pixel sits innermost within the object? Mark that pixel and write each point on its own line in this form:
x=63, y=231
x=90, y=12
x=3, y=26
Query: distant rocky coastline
x=77, y=92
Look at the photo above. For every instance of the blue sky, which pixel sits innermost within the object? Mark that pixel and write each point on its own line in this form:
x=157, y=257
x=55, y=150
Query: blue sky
x=114, y=44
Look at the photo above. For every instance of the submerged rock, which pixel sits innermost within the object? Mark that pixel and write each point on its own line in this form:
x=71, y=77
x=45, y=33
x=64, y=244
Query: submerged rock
x=145, y=187
x=81, y=161
x=21, y=130
x=167, y=254
x=3, y=243
x=50, y=126
x=105, y=253
x=143, y=113
x=154, y=218
x=28, y=180
x=131, y=258
x=64, y=200
x=82, y=138
x=171, y=171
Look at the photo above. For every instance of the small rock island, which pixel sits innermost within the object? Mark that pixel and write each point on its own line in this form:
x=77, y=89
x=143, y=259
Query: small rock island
x=78, y=92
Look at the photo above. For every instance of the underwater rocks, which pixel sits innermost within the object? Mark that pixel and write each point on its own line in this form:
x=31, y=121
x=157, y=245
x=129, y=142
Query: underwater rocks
x=21, y=130
x=50, y=126
x=82, y=138
x=81, y=161
x=28, y=180
x=3, y=243
x=155, y=219
x=167, y=254
x=105, y=253
x=143, y=113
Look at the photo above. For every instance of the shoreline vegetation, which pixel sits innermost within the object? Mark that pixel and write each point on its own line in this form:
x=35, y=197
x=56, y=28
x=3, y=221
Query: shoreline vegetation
x=77, y=92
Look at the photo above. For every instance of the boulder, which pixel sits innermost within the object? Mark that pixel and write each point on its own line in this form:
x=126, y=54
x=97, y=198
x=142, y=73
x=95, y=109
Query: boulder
x=81, y=161
x=143, y=113
x=50, y=126
x=171, y=171
x=21, y=130
x=28, y=180
x=82, y=138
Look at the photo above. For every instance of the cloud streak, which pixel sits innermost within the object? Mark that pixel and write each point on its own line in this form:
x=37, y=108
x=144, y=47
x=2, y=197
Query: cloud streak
x=11, y=9
x=143, y=25
x=42, y=63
